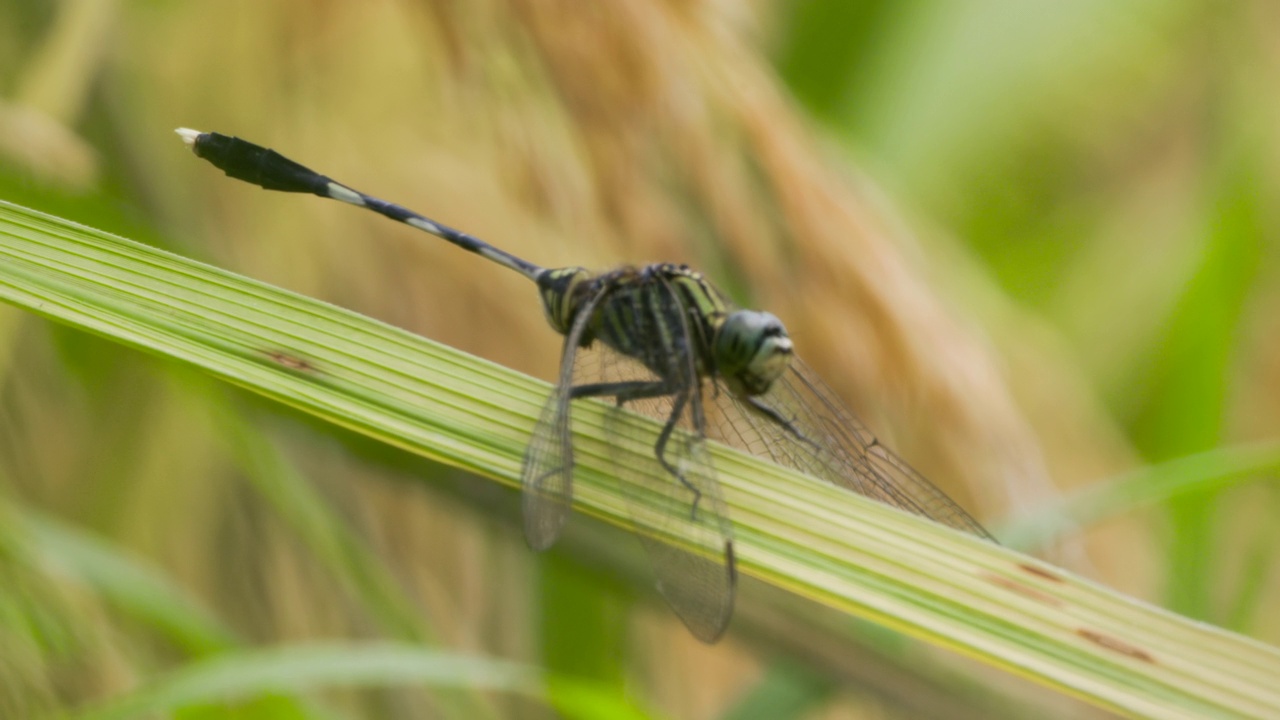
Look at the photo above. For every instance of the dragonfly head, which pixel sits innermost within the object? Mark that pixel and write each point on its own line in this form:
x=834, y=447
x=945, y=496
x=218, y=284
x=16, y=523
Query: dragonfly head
x=558, y=289
x=752, y=350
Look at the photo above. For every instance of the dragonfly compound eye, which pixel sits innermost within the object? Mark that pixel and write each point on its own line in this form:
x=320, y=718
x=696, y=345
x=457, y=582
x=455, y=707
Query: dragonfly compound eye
x=752, y=351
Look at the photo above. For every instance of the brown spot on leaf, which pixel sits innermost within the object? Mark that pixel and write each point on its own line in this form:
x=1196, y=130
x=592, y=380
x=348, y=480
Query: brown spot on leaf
x=1039, y=572
x=1023, y=590
x=1116, y=645
x=292, y=362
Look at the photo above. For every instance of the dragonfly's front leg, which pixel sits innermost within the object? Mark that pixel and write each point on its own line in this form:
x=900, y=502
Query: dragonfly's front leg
x=660, y=449
x=776, y=418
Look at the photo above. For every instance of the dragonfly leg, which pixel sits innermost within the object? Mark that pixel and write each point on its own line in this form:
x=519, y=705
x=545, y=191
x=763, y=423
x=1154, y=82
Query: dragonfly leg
x=660, y=450
x=622, y=391
x=775, y=417
x=639, y=390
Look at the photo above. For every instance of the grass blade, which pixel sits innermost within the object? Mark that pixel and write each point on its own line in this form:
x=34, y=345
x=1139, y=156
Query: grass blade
x=822, y=543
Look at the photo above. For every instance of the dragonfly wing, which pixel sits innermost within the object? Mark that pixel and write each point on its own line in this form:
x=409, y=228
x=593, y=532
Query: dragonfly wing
x=667, y=473
x=677, y=507
x=547, y=474
x=801, y=424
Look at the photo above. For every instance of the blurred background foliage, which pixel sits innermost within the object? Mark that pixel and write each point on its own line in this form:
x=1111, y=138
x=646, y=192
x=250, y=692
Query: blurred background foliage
x=1034, y=244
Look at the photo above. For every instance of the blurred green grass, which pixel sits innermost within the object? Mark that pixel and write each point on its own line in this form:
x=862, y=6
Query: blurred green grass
x=1091, y=183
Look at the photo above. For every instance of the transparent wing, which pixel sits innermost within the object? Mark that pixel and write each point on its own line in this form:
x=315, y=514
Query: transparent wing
x=674, y=501
x=546, y=478
x=801, y=424
x=666, y=471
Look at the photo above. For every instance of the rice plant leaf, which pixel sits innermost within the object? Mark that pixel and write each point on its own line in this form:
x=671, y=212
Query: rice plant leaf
x=250, y=674
x=835, y=548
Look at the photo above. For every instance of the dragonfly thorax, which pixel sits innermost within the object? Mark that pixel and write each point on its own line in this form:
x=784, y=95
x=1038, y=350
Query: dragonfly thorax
x=658, y=313
x=752, y=350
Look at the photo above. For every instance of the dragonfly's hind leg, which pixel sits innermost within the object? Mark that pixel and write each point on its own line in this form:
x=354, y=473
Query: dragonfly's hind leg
x=623, y=392
x=660, y=450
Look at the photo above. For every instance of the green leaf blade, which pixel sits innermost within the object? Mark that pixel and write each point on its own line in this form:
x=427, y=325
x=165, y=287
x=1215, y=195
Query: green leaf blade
x=831, y=546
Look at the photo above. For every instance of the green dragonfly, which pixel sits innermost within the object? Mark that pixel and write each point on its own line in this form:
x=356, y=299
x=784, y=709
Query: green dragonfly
x=662, y=340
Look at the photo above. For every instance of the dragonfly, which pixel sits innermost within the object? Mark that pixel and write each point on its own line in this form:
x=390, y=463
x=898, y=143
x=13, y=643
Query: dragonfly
x=662, y=340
